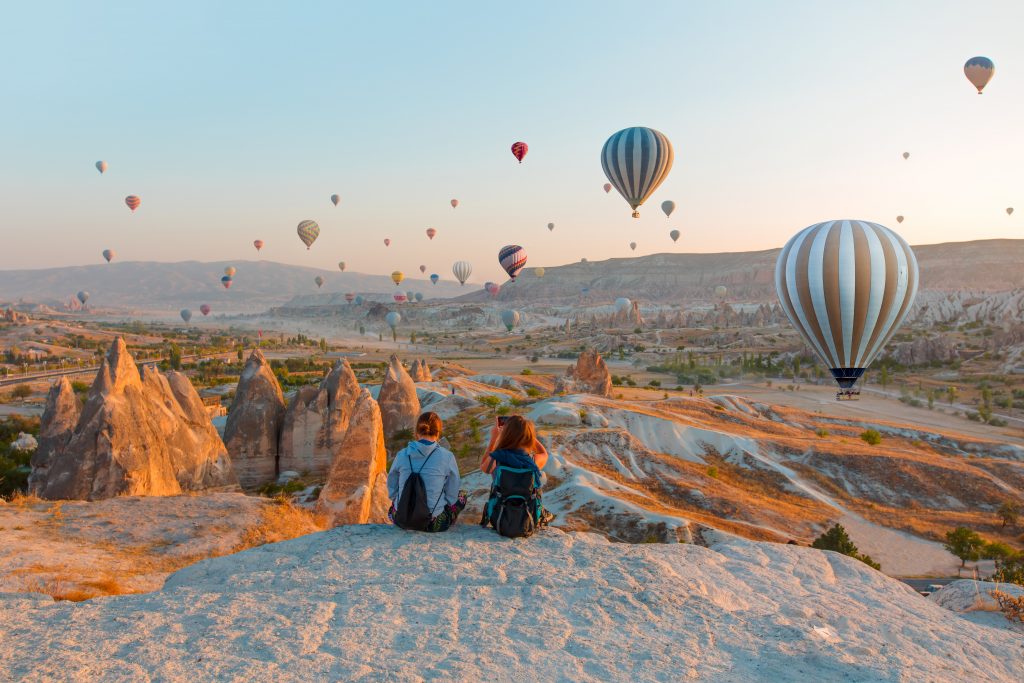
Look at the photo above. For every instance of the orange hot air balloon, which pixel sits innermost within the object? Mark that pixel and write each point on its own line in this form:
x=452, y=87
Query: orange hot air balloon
x=133, y=202
x=455, y=203
x=387, y=242
x=258, y=244
x=519, y=150
x=431, y=232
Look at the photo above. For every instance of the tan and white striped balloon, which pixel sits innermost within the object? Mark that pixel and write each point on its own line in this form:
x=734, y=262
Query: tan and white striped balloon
x=846, y=286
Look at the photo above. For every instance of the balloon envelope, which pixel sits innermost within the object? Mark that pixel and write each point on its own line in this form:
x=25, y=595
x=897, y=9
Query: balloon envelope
x=462, y=270
x=350, y=297
x=308, y=232
x=109, y=254
x=226, y=281
x=668, y=206
x=512, y=258
x=341, y=266
x=83, y=296
x=205, y=309
x=133, y=202
x=454, y=203
x=387, y=242
x=539, y=272
x=230, y=271
x=419, y=297
x=637, y=160
x=101, y=166
x=622, y=304
x=434, y=277
x=258, y=244
x=551, y=226
x=846, y=286
x=899, y=219
x=492, y=288
x=335, y=199
x=906, y=155
x=607, y=188
x=392, y=319
x=399, y=297
x=979, y=71
x=674, y=234
x=721, y=290
x=431, y=232
x=519, y=150
x=359, y=300
x=1009, y=212
x=423, y=269
x=397, y=277
x=510, y=319
x=319, y=280
x=632, y=245
x=186, y=314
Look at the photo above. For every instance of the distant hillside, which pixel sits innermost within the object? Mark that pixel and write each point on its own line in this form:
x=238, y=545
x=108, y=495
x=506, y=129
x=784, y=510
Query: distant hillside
x=258, y=285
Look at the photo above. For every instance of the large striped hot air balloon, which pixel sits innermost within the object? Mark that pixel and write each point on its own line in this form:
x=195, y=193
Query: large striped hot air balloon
x=308, y=232
x=979, y=71
x=512, y=258
x=462, y=270
x=102, y=166
x=519, y=150
x=258, y=244
x=637, y=160
x=133, y=202
x=846, y=286
x=109, y=254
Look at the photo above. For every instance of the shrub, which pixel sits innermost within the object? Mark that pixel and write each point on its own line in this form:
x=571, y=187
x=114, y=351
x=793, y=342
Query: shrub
x=822, y=432
x=533, y=392
x=22, y=391
x=713, y=472
x=1012, y=607
x=654, y=383
x=526, y=371
x=838, y=540
x=871, y=436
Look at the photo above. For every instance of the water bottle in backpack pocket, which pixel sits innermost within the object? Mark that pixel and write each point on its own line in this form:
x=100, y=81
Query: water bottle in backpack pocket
x=514, y=507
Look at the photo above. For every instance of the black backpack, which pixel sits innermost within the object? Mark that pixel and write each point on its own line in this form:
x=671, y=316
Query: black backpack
x=514, y=507
x=413, y=512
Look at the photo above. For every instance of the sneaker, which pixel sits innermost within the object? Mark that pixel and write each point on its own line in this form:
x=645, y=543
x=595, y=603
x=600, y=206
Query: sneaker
x=546, y=516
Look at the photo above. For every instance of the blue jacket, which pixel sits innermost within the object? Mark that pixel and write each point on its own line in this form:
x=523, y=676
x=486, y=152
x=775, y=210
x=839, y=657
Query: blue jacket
x=517, y=458
x=440, y=474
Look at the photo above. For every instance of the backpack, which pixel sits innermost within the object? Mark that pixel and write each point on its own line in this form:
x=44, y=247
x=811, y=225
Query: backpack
x=513, y=508
x=412, y=512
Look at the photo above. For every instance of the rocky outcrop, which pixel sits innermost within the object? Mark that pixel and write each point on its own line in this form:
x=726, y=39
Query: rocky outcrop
x=12, y=316
x=588, y=376
x=420, y=371
x=925, y=350
x=315, y=423
x=399, y=404
x=55, y=428
x=138, y=434
x=254, y=423
x=356, y=488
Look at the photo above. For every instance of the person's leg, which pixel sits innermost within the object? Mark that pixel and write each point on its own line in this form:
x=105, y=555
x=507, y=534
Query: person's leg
x=449, y=515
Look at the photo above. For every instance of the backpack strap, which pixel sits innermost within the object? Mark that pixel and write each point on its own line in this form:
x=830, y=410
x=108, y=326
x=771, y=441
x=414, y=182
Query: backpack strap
x=432, y=450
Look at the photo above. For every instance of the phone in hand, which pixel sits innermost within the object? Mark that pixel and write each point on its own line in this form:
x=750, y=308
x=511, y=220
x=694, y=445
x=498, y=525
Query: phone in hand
x=502, y=419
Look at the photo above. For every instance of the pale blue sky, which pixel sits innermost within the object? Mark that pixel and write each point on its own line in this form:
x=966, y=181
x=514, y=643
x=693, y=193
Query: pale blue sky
x=237, y=120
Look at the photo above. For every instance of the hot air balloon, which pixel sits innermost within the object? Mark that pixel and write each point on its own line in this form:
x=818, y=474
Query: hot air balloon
x=607, y=188
x=492, y=288
x=258, y=244
x=623, y=304
x=632, y=246
x=721, y=290
x=392, y=319
x=410, y=296
x=434, y=277
x=387, y=242
x=584, y=290
x=230, y=271
x=899, y=219
x=979, y=71
x=423, y=269
x=341, y=266
x=462, y=270
x=539, y=272
x=226, y=281
x=455, y=203
x=906, y=155
x=397, y=277
x=186, y=314
x=335, y=199
x=1009, y=212
x=512, y=258
x=133, y=202
x=551, y=226
x=83, y=296
x=205, y=309
x=431, y=232
x=319, y=280
x=350, y=297
x=399, y=298
x=109, y=254
x=359, y=300
x=846, y=286
x=519, y=150
x=419, y=297
x=637, y=160
x=101, y=166
x=308, y=232
x=668, y=206
x=674, y=234
x=510, y=318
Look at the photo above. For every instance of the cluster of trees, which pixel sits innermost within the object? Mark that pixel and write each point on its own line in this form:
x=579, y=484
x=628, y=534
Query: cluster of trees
x=970, y=546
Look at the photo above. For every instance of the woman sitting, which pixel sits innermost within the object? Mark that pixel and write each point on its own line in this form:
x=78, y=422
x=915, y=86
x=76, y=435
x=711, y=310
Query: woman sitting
x=515, y=457
x=435, y=466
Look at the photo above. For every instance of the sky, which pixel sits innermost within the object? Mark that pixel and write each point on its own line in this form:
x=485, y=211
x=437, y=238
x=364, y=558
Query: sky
x=235, y=121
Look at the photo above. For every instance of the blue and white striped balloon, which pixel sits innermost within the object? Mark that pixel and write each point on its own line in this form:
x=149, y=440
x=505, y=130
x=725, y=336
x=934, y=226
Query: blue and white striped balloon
x=637, y=160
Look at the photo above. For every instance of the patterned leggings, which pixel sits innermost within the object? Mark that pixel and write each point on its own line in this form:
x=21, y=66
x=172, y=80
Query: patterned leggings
x=443, y=521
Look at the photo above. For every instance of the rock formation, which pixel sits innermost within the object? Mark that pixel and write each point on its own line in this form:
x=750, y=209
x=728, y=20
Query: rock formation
x=399, y=403
x=55, y=428
x=138, y=434
x=12, y=316
x=316, y=420
x=588, y=376
x=356, y=488
x=420, y=371
x=254, y=423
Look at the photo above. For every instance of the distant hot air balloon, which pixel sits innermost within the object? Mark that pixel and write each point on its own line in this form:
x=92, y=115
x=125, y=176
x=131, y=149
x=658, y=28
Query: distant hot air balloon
x=1009, y=212
x=319, y=280
x=607, y=188
x=462, y=270
x=230, y=271
x=906, y=155
x=431, y=232
x=387, y=242
x=510, y=319
x=258, y=244
x=721, y=290
x=350, y=297
x=979, y=71
x=109, y=254
x=674, y=234
x=133, y=202
x=101, y=166
x=205, y=309
x=512, y=258
x=455, y=203
x=423, y=269
x=899, y=219
x=539, y=272
x=434, y=277
x=359, y=300
x=623, y=304
x=83, y=296
x=410, y=296
x=308, y=232
x=226, y=281
x=399, y=298
x=668, y=206
x=335, y=199
x=551, y=226
x=419, y=297
x=492, y=288
x=392, y=319
x=846, y=286
x=637, y=160
x=519, y=150
x=341, y=266
x=632, y=246
x=186, y=314
x=397, y=277
x=584, y=290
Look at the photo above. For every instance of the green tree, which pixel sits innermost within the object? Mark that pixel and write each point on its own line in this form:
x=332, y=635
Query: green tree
x=871, y=436
x=836, y=539
x=22, y=391
x=951, y=392
x=965, y=544
x=883, y=376
x=174, y=357
x=239, y=354
x=323, y=344
x=1009, y=512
